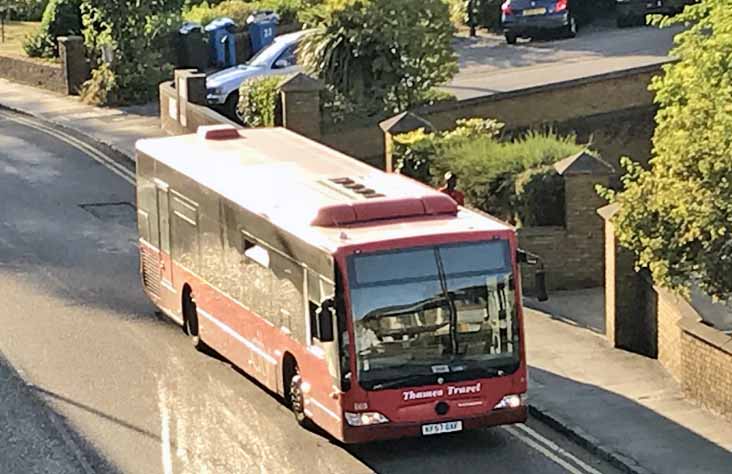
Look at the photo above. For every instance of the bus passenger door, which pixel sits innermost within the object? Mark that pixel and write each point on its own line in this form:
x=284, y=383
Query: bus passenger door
x=327, y=384
x=166, y=259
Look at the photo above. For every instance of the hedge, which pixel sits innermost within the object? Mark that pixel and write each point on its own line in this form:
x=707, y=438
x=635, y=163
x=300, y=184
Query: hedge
x=506, y=178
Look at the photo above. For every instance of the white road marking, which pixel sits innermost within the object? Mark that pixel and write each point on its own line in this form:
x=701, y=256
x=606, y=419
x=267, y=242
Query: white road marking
x=165, y=429
x=543, y=450
x=556, y=448
x=94, y=154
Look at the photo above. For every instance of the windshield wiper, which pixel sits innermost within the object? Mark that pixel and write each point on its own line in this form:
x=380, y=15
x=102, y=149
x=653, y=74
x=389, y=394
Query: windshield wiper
x=450, y=303
x=407, y=379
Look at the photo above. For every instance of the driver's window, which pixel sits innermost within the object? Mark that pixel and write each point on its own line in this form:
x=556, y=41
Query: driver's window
x=286, y=59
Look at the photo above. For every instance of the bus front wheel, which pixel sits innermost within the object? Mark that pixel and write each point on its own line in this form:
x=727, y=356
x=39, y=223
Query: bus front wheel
x=297, y=399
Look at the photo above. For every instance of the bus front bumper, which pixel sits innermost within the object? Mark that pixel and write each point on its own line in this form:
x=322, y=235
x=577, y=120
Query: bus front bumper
x=365, y=434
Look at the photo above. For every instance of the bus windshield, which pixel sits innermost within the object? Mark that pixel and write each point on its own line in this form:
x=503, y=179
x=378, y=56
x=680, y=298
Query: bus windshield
x=424, y=312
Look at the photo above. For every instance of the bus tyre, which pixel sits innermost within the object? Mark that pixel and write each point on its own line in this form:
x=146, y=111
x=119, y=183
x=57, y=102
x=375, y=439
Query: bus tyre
x=297, y=400
x=190, y=318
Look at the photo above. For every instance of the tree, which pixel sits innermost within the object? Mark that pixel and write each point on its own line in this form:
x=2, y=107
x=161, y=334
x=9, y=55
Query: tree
x=129, y=42
x=677, y=215
x=381, y=55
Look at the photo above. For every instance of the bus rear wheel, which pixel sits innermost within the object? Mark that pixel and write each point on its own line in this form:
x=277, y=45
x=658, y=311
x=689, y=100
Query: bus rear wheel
x=190, y=319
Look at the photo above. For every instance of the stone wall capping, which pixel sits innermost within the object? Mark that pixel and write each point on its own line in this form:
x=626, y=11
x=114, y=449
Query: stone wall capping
x=583, y=163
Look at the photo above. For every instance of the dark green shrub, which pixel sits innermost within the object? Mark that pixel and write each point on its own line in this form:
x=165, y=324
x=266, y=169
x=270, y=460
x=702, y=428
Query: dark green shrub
x=60, y=18
x=259, y=102
x=28, y=10
x=539, y=198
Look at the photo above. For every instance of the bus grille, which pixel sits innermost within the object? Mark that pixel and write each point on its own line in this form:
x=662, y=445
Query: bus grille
x=150, y=270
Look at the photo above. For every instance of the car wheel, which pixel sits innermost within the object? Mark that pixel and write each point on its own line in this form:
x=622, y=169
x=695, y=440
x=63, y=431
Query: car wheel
x=230, y=106
x=571, y=28
x=511, y=38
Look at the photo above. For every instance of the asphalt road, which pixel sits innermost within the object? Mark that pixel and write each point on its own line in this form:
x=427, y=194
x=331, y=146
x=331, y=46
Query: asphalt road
x=488, y=65
x=93, y=381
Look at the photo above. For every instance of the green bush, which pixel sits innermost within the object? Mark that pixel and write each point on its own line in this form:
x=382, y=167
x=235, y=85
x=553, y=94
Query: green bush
x=287, y=9
x=539, y=198
x=101, y=88
x=503, y=177
x=132, y=32
x=239, y=10
x=380, y=55
x=205, y=13
x=259, y=102
x=28, y=10
x=60, y=18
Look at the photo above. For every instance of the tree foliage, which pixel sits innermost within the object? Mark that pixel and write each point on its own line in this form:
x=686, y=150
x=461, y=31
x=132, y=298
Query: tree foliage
x=60, y=18
x=382, y=55
x=677, y=215
x=136, y=33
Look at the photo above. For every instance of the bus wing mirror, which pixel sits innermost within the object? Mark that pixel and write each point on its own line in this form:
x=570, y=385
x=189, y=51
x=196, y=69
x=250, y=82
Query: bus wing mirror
x=325, y=321
x=522, y=256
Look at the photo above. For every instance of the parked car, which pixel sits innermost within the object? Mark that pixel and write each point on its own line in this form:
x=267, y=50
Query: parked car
x=279, y=58
x=530, y=18
x=633, y=12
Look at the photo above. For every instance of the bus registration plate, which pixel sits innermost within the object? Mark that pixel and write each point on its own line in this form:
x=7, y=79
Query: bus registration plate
x=439, y=428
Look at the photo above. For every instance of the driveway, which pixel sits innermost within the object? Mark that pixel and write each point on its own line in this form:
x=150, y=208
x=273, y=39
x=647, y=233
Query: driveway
x=488, y=65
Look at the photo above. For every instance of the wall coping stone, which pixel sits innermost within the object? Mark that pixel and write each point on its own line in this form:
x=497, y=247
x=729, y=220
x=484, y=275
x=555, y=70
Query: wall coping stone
x=707, y=334
x=405, y=122
x=300, y=83
x=583, y=163
x=607, y=212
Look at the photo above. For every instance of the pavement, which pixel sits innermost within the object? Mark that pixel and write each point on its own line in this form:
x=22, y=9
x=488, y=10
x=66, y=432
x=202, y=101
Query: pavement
x=621, y=406
x=488, y=65
x=624, y=406
x=117, y=128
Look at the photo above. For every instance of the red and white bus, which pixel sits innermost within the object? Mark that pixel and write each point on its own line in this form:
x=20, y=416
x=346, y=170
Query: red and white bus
x=373, y=304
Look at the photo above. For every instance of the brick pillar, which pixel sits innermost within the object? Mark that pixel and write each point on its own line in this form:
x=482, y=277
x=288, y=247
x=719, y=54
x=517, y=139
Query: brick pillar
x=630, y=315
x=73, y=60
x=402, y=123
x=190, y=86
x=584, y=266
x=301, y=105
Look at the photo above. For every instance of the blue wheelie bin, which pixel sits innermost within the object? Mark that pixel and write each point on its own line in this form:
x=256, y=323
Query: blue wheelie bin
x=262, y=29
x=222, y=42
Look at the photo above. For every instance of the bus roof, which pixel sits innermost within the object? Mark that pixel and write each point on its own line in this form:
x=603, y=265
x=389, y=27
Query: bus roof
x=311, y=190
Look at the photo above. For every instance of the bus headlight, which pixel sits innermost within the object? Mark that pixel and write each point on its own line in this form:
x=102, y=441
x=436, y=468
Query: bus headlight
x=366, y=418
x=511, y=401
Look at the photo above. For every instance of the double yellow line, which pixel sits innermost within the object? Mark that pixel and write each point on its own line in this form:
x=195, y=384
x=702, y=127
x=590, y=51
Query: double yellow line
x=85, y=148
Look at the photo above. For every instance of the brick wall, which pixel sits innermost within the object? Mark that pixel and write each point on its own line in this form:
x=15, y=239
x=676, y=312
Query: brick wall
x=33, y=72
x=706, y=367
x=553, y=103
x=547, y=242
x=669, y=310
x=639, y=314
x=364, y=142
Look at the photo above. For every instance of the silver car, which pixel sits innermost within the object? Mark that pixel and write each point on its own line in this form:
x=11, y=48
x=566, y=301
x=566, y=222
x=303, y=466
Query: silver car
x=222, y=87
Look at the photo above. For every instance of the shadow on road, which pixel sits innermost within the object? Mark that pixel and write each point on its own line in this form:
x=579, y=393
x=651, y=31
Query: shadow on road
x=35, y=438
